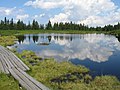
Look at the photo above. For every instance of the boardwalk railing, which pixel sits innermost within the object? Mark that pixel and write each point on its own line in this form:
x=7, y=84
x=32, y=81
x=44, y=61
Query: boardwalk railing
x=11, y=64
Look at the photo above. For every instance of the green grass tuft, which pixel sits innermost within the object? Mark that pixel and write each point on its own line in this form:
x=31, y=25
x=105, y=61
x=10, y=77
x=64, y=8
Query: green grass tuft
x=8, y=83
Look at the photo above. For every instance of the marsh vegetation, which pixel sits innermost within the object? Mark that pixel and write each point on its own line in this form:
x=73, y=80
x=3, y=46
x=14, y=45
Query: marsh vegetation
x=65, y=75
x=7, y=40
x=7, y=82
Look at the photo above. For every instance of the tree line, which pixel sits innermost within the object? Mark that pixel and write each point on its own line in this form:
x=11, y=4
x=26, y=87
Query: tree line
x=7, y=24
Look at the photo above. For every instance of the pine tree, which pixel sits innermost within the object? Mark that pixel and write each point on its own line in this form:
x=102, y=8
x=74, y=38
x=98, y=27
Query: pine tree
x=55, y=26
x=61, y=26
x=5, y=24
x=35, y=25
x=11, y=24
x=41, y=26
x=49, y=26
x=5, y=21
x=2, y=25
x=29, y=27
x=20, y=25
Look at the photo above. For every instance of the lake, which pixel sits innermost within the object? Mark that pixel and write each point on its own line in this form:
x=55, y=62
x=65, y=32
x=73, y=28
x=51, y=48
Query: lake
x=98, y=52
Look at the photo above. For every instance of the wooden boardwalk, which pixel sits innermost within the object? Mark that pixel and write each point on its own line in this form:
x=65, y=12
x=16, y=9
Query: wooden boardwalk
x=11, y=64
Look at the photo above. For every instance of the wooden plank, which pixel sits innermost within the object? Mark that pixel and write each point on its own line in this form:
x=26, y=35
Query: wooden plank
x=15, y=62
x=4, y=65
x=0, y=48
x=21, y=82
x=27, y=68
x=10, y=63
x=18, y=62
x=1, y=67
x=26, y=80
x=6, y=61
x=11, y=59
x=38, y=84
x=14, y=59
x=28, y=77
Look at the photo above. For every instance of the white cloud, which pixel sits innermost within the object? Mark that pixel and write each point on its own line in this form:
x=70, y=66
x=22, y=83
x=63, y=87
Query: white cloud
x=13, y=12
x=35, y=16
x=22, y=17
x=7, y=11
x=62, y=17
x=90, y=12
x=42, y=15
x=45, y=4
x=38, y=16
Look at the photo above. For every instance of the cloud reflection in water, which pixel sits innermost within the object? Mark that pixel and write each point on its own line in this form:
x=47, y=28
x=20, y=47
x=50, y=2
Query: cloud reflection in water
x=96, y=47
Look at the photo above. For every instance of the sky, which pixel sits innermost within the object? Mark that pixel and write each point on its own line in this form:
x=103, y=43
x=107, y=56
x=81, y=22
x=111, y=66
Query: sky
x=90, y=12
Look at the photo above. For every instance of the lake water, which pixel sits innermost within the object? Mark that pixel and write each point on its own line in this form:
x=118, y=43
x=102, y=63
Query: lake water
x=99, y=52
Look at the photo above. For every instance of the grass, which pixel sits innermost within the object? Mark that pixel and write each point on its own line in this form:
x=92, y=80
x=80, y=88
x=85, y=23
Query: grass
x=105, y=83
x=115, y=32
x=46, y=71
x=8, y=83
x=7, y=40
x=65, y=75
x=21, y=32
x=8, y=32
x=99, y=83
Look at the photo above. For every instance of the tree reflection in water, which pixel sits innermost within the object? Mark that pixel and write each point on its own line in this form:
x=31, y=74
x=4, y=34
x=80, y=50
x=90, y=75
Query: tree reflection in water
x=96, y=47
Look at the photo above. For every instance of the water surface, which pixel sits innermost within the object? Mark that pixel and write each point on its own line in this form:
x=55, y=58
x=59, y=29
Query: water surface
x=99, y=52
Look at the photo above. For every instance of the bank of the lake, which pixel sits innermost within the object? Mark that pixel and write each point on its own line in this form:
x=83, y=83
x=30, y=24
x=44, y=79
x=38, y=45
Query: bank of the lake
x=22, y=32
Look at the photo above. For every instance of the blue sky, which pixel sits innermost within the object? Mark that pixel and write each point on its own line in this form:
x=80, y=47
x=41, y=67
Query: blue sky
x=89, y=12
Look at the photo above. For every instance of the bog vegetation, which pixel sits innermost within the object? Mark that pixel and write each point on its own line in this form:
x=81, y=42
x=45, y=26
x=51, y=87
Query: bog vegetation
x=7, y=40
x=65, y=75
x=7, y=82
